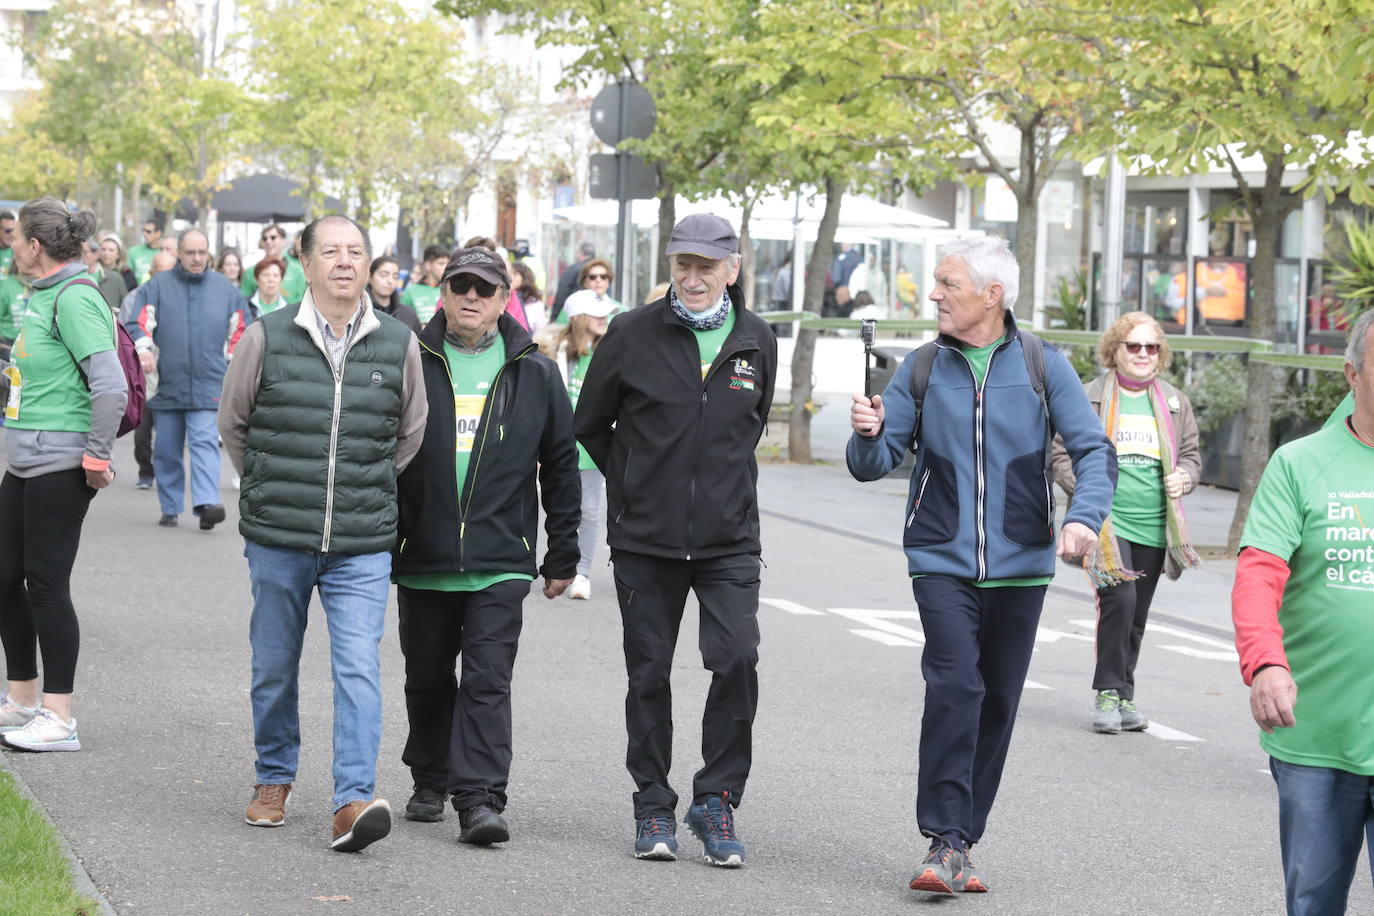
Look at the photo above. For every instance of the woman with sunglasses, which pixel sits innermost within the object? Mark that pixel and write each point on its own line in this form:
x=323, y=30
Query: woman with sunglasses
x=596, y=275
x=1156, y=437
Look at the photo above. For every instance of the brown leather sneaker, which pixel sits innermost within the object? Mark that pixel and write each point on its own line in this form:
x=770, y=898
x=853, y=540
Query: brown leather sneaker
x=268, y=807
x=359, y=824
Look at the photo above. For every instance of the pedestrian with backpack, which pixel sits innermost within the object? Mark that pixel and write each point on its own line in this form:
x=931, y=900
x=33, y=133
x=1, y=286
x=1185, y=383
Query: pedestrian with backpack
x=67, y=395
x=977, y=406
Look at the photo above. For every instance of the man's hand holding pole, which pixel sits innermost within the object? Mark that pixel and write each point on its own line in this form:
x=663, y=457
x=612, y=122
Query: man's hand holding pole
x=866, y=414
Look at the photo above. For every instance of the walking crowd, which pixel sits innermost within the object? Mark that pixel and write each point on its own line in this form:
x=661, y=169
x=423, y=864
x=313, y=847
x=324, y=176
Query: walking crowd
x=411, y=434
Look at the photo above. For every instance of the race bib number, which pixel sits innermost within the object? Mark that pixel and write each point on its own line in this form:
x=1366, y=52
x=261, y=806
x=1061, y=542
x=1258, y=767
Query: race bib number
x=467, y=413
x=1137, y=435
x=12, y=403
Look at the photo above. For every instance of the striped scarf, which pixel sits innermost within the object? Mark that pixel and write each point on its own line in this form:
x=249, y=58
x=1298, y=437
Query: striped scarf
x=1107, y=570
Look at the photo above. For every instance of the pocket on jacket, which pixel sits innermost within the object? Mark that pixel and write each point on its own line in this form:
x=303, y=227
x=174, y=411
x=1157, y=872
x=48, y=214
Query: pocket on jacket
x=1026, y=505
x=933, y=517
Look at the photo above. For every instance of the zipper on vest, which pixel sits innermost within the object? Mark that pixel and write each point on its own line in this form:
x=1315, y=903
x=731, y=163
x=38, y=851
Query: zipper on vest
x=333, y=451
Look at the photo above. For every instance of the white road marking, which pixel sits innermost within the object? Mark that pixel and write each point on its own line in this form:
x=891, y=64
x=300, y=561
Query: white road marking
x=1045, y=634
x=1192, y=637
x=887, y=639
x=883, y=620
x=1165, y=733
x=791, y=607
x=1036, y=685
x=1221, y=655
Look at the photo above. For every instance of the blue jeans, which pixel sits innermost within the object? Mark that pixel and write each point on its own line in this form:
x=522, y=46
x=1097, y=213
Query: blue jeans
x=1324, y=816
x=353, y=589
x=178, y=430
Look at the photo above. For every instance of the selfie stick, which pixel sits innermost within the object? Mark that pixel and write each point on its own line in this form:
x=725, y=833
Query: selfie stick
x=867, y=328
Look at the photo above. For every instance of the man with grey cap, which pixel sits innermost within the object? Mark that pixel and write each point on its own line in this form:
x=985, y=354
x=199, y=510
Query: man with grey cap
x=671, y=410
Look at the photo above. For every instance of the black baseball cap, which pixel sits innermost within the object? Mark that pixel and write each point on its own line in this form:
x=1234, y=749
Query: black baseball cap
x=703, y=234
x=479, y=262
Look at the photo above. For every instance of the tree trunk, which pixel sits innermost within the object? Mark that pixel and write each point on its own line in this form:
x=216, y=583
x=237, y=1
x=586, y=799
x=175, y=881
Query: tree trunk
x=667, y=218
x=1027, y=226
x=804, y=353
x=364, y=214
x=136, y=211
x=1273, y=205
x=746, y=247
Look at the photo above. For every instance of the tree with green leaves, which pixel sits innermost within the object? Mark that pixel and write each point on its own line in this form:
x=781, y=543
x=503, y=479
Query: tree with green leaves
x=1269, y=93
x=129, y=89
x=369, y=97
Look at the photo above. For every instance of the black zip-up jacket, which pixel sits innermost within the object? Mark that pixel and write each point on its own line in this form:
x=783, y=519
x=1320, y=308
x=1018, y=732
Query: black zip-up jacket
x=677, y=451
x=526, y=426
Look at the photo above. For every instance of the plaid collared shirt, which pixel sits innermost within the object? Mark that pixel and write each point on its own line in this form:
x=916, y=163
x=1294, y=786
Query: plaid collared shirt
x=336, y=346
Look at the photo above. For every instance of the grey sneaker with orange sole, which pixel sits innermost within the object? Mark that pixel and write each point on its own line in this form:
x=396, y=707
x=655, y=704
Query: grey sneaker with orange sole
x=942, y=871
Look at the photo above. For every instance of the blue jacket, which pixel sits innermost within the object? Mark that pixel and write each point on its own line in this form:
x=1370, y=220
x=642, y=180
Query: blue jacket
x=192, y=315
x=981, y=505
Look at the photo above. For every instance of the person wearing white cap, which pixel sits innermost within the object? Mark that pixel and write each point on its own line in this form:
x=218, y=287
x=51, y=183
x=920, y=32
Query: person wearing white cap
x=671, y=410
x=588, y=313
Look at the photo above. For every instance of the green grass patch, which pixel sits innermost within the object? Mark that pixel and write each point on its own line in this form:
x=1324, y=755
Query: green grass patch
x=34, y=875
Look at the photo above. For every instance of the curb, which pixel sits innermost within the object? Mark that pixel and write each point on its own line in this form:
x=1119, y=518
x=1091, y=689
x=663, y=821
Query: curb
x=80, y=877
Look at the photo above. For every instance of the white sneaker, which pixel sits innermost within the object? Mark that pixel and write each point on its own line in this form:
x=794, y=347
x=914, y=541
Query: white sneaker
x=13, y=716
x=45, y=732
x=581, y=588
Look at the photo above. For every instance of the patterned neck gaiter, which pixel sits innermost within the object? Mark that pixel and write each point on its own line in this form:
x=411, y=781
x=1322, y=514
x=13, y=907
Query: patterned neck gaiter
x=700, y=321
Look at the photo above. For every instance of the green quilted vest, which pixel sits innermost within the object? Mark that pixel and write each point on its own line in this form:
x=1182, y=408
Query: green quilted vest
x=319, y=470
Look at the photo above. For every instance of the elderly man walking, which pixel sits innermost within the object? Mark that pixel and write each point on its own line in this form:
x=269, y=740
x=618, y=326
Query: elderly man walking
x=323, y=406
x=499, y=419
x=671, y=410
x=979, y=535
x=1303, y=607
x=194, y=308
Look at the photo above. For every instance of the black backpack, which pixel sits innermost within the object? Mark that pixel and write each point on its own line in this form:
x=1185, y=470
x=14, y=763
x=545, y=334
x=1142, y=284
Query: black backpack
x=1032, y=348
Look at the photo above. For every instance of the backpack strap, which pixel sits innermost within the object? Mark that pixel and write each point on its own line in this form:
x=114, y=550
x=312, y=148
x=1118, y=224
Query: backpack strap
x=56, y=333
x=1033, y=349
x=921, y=368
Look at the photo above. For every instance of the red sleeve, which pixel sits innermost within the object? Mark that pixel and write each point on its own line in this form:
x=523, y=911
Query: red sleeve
x=1255, y=599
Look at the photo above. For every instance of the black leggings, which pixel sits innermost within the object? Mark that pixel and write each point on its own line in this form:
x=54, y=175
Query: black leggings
x=40, y=530
x=1122, y=611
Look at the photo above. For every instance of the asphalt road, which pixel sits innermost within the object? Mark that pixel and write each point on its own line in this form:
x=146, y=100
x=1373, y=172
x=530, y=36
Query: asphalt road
x=1179, y=819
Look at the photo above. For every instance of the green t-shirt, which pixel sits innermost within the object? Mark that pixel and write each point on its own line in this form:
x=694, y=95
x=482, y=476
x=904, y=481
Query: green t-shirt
x=6, y=259
x=1344, y=409
x=1138, y=507
x=423, y=298
x=576, y=374
x=47, y=391
x=978, y=358
x=1313, y=508
x=710, y=342
x=13, y=298
x=292, y=285
x=472, y=375
x=141, y=261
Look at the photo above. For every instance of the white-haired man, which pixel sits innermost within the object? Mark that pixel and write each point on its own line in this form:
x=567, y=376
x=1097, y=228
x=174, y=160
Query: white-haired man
x=682, y=514
x=978, y=405
x=1303, y=607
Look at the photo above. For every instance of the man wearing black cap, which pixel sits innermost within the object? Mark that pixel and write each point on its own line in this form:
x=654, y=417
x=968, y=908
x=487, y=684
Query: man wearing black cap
x=465, y=557
x=671, y=410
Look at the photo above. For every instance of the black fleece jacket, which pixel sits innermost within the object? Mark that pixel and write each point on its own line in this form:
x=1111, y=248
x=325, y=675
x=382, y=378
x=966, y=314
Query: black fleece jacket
x=677, y=450
x=526, y=428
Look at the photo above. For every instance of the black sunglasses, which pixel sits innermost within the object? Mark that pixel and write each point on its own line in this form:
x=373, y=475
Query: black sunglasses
x=598, y=276
x=464, y=282
x=1133, y=347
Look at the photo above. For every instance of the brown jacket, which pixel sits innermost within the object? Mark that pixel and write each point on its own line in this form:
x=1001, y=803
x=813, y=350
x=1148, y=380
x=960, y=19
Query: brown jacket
x=1185, y=447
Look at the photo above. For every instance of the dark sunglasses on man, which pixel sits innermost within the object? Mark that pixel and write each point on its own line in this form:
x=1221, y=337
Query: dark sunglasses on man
x=1134, y=347
x=464, y=282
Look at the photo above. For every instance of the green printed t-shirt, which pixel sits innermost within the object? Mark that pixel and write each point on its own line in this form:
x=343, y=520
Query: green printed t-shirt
x=472, y=374
x=1138, y=507
x=423, y=298
x=292, y=285
x=1344, y=409
x=141, y=261
x=710, y=342
x=47, y=391
x=13, y=298
x=978, y=358
x=575, y=376
x=1314, y=508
